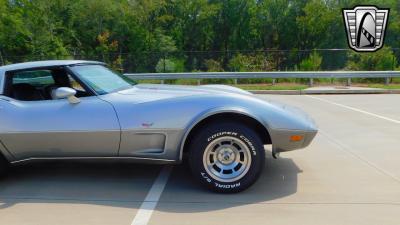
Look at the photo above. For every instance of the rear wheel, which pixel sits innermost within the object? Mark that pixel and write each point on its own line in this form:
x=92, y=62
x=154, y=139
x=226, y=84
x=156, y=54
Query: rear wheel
x=226, y=157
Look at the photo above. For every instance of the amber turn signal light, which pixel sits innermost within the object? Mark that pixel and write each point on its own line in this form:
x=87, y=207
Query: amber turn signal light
x=296, y=138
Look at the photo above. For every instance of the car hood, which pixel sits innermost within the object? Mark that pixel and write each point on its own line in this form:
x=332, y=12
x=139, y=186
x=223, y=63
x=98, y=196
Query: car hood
x=151, y=92
x=197, y=99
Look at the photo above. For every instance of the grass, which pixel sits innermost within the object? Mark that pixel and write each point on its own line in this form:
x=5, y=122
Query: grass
x=390, y=86
x=148, y=81
x=295, y=86
x=280, y=86
x=176, y=81
x=277, y=86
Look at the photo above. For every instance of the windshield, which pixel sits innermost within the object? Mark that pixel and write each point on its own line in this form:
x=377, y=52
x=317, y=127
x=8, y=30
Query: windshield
x=101, y=79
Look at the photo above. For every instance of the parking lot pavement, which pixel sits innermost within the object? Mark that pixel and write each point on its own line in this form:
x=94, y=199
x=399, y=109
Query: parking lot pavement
x=74, y=193
x=350, y=174
x=374, y=137
x=384, y=105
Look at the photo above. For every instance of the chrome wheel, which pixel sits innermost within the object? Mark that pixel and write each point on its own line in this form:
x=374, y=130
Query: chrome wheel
x=227, y=159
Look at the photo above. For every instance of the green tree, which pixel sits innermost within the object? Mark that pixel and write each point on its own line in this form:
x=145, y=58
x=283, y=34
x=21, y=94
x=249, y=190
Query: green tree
x=190, y=31
x=383, y=59
x=312, y=63
x=169, y=66
x=213, y=65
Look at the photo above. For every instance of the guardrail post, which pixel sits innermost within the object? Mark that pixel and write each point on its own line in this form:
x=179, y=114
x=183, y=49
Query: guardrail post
x=198, y=82
x=235, y=81
x=387, y=80
x=348, y=82
x=162, y=81
x=311, y=83
x=273, y=81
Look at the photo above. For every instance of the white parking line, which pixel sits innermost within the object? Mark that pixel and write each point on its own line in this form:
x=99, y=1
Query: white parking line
x=349, y=150
x=355, y=109
x=150, y=202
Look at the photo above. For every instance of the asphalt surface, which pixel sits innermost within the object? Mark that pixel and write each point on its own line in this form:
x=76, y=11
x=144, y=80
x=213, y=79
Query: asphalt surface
x=350, y=174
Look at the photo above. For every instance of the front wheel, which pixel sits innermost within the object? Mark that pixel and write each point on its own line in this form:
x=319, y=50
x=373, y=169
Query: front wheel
x=226, y=157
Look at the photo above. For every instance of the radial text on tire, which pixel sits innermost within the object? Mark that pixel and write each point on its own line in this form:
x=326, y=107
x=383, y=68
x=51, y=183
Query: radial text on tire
x=226, y=157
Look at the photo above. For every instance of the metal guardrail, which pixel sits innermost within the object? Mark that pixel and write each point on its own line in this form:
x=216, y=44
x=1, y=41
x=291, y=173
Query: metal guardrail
x=239, y=75
x=273, y=75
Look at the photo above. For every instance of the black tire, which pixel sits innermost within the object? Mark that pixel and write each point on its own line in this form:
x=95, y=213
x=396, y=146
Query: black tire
x=204, y=140
x=4, y=164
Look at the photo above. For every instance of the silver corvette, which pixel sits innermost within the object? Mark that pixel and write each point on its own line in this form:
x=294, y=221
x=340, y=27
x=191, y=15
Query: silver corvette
x=82, y=110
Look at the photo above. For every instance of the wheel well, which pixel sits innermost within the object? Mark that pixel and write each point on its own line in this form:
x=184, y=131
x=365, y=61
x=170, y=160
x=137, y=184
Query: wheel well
x=234, y=117
x=3, y=160
x=3, y=157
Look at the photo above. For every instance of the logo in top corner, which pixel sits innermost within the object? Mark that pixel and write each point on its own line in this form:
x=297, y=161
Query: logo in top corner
x=365, y=27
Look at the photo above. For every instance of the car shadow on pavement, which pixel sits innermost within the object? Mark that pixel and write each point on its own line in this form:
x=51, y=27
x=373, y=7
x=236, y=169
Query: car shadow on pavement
x=126, y=185
x=184, y=195
x=112, y=184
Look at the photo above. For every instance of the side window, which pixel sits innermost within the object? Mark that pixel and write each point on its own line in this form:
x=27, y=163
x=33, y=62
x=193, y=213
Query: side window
x=75, y=85
x=38, y=78
x=30, y=85
x=39, y=84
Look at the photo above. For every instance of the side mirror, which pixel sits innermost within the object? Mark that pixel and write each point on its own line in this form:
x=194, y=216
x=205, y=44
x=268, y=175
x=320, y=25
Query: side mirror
x=65, y=92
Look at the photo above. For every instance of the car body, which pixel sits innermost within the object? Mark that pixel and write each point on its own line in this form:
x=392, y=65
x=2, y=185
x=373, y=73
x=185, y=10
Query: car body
x=142, y=122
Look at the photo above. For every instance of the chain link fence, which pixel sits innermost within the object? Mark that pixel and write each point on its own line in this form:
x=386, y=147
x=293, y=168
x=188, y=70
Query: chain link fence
x=218, y=61
x=239, y=61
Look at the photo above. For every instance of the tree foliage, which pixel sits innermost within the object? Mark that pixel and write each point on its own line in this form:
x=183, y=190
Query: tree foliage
x=380, y=60
x=312, y=63
x=142, y=35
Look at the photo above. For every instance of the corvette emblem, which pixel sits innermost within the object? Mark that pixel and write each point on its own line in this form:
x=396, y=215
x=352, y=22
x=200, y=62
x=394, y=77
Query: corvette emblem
x=365, y=27
x=147, y=125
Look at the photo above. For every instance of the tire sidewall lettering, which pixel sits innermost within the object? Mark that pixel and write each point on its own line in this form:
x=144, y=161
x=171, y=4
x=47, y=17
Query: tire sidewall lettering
x=242, y=137
x=250, y=144
x=217, y=184
x=205, y=176
x=221, y=134
x=227, y=186
x=233, y=134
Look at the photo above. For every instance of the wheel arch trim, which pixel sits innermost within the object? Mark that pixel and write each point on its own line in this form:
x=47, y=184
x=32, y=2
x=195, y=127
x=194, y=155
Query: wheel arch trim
x=212, y=112
x=5, y=153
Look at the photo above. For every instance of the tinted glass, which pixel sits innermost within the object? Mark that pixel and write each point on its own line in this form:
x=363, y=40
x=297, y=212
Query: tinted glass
x=37, y=78
x=101, y=79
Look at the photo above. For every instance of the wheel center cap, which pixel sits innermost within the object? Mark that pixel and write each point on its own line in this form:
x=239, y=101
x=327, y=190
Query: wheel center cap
x=226, y=156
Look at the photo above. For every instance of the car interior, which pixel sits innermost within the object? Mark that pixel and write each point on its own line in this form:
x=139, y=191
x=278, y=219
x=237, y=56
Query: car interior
x=38, y=85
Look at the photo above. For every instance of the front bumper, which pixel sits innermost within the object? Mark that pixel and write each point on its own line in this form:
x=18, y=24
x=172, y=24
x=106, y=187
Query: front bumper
x=281, y=139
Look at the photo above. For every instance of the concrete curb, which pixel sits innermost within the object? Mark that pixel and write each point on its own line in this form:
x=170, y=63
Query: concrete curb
x=325, y=92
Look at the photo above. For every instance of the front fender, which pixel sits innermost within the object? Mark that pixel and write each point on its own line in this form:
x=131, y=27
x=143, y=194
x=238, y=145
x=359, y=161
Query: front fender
x=211, y=112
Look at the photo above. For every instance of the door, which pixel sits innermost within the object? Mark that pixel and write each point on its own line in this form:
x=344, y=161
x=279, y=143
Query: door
x=32, y=125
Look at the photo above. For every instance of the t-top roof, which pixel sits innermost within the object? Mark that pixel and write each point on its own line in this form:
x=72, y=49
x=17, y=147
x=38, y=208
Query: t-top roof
x=49, y=63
